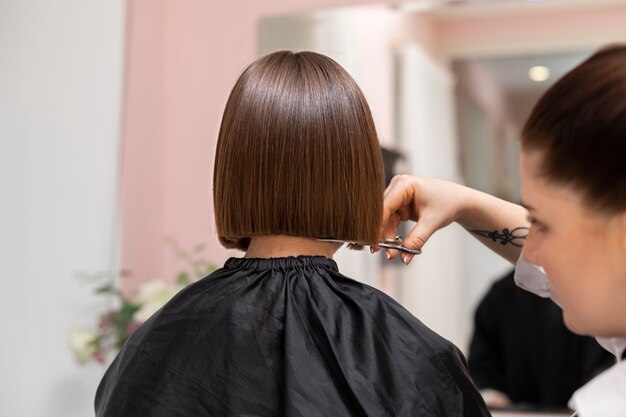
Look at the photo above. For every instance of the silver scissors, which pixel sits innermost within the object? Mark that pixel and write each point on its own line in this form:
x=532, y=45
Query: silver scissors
x=395, y=243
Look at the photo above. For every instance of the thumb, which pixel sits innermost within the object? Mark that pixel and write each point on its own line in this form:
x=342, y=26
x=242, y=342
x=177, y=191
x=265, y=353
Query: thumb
x=417, y=237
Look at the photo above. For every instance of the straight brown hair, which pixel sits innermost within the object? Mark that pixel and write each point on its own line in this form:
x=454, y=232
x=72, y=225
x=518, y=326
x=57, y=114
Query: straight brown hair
x=579, y=126
x=297, y=154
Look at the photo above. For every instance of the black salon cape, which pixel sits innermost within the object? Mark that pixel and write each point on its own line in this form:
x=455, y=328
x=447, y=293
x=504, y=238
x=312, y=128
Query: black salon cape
x=286, y=337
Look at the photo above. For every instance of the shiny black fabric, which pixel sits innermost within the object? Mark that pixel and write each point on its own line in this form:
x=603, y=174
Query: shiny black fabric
x=286, y=337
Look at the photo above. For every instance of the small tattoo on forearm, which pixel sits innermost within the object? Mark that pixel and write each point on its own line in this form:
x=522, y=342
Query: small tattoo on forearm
x=506, y=236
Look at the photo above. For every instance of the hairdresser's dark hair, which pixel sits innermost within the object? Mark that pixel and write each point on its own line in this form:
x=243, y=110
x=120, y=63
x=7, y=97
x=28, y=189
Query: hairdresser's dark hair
x=579, y=127
x=297, y=154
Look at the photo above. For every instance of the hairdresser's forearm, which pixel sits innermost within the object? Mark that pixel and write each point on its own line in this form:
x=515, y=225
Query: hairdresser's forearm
x=500, y=225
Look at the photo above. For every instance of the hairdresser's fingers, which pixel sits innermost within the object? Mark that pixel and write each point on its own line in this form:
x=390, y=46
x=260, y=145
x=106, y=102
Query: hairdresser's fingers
x=418, y=236
x=391, y=184
x=432, y=203
x=398, y=207
x=390, y=231
x=404, y=213
x=392, y=216
x=398, y=199
x=412, y=198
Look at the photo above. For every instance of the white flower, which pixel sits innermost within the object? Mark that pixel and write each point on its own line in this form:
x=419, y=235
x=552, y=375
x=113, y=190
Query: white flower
x=146, y=311
x=82, y=344
x=155, y=291
x=151, y=296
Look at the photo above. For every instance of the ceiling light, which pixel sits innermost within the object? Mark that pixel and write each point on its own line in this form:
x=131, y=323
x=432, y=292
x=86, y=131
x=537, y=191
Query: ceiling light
x=539, y=73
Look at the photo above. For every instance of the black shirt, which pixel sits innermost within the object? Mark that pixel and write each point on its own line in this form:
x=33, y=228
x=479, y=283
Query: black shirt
x=522, y=348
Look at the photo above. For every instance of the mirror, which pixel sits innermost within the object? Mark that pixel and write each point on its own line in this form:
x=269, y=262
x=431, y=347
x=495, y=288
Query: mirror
x=448, y=83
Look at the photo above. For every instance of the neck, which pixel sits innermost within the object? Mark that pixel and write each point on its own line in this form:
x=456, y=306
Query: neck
x=280, y=246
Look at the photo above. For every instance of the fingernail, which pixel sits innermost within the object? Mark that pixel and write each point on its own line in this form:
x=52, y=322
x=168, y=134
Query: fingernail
x=371, y=249
x=408, y=259
x=387, y=255
x=403, y=258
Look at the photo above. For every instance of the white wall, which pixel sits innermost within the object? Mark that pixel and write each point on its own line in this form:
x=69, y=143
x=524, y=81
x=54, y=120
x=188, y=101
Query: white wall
x=432, y=283
x=60, y=106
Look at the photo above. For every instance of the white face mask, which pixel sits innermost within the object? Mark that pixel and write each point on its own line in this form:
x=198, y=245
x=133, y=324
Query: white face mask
x=615, y=345
x=533, y=278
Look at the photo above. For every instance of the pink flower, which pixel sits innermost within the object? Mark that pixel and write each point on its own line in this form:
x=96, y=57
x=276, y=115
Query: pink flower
x=132, y=326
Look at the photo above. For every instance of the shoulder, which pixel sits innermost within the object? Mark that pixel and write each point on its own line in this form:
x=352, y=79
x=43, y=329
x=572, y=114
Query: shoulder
x=401, y=328
x=502, y=288
x=391, y=319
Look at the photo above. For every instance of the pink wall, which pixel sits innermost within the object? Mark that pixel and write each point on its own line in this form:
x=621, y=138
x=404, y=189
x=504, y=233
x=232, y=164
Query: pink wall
x=142, y=146
x=588, y=26
x=183, y=57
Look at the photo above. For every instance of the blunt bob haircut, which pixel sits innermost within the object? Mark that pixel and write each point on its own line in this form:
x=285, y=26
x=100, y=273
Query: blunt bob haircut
x=579, y=128
x=297, y=154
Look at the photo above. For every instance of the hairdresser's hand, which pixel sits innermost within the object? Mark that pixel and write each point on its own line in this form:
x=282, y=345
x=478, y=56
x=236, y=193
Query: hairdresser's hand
x=430, y=202
x=434, y=204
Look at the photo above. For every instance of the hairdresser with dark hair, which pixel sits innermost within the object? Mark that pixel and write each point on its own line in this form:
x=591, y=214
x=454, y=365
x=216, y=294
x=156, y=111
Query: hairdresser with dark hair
x=569, y=239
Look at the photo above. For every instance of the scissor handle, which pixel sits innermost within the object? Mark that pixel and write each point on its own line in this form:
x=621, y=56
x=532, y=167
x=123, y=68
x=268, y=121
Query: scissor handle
x=400, y=248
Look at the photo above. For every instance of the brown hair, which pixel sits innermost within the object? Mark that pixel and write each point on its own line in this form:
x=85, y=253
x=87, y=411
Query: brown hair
x=297, y=154
x=579, y=126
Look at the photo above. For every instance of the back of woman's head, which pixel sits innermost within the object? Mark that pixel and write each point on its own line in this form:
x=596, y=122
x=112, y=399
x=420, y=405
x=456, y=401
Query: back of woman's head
x=297, y=154
x=579, y=128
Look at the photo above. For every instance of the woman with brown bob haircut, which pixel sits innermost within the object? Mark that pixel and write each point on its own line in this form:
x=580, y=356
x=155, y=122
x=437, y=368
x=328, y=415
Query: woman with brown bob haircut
x=281, y=332
x=297, y=155
x=572, y=228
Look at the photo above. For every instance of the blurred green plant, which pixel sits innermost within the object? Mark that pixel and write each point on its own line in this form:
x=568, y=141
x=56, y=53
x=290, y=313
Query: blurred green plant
x=114, y=326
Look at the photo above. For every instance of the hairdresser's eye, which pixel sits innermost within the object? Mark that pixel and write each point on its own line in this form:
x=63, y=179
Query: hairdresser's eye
x=536, y=224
